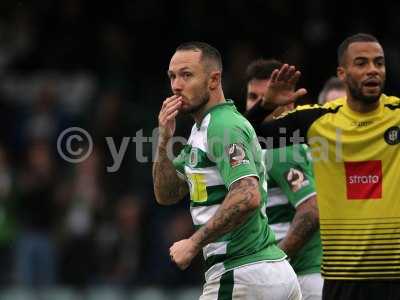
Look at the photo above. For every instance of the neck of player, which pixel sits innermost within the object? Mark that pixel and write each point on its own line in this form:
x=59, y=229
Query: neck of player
x=216, y=97
x=360, y=106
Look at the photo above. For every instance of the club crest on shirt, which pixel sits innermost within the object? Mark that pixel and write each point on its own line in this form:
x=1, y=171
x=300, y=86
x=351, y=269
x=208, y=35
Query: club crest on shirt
x=392, y=135
x=236, y=155
x=296, y=179
x=193, y=157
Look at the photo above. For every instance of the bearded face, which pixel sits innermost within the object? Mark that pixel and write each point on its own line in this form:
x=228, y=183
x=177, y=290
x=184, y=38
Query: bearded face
x=195, y=99
x=368, y=91
x=364, y=71
x=189, y=79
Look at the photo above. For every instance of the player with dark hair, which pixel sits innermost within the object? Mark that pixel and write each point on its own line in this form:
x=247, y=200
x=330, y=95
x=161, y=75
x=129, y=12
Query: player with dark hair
x=292, y=204
x=257, y=75
x=355, y=144
x=222, y=169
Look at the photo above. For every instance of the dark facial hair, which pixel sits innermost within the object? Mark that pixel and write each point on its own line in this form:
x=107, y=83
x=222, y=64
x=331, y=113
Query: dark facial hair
x=203, y=100
x=356, y=92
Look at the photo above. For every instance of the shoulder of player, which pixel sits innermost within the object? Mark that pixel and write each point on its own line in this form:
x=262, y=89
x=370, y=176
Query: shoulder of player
x=329, y=106
x=314, y=111
x=223, y=120
x=291, y=153
x=392, y=102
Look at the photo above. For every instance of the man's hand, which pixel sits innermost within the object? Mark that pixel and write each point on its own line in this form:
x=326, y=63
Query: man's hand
x=168, y=187
x=281, y=89
x=166, y=118
x=183, y=252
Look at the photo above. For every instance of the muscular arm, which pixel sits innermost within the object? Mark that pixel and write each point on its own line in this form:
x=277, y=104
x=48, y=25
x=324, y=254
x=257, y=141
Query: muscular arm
x=242, y=199
x=303, y=226
x=168, y=187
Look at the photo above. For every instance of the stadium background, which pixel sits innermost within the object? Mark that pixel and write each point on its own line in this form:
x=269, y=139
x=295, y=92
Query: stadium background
x=76, y=230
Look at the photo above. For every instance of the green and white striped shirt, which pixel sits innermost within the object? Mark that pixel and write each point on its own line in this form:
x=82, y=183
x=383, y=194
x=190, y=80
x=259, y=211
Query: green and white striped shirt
x=221, y=150
x=290, y=183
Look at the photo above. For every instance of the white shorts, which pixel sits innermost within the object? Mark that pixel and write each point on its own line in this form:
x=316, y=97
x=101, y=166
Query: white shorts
x=258, y=281
x=311, y=286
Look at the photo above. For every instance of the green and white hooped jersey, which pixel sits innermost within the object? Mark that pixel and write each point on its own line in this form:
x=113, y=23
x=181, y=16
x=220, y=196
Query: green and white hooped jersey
x=290, y=183
x=221, y=150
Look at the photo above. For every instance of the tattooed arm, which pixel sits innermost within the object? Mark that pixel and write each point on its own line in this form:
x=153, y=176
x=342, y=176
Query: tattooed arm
x=168, y=187
x=303, y=226
x=243, y=198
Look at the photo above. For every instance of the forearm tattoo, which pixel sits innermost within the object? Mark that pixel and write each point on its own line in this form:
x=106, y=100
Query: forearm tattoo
x=167, y=184
x=303, y=226
x=234, y=211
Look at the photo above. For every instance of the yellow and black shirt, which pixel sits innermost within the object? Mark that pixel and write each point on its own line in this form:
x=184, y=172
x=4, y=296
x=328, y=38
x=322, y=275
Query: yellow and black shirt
x=356, y=159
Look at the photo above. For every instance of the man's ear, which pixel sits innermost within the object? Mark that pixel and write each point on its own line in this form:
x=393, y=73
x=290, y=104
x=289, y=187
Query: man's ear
x=340, y=73
x=215, y=80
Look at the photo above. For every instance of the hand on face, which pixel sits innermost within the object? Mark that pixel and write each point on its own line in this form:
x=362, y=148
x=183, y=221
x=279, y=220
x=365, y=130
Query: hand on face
x=183, y=252
x=166, y=118
x=281, y=89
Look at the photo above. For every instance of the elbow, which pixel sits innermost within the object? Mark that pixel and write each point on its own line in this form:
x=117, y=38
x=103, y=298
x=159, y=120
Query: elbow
x=160, y=199
x=166, y=198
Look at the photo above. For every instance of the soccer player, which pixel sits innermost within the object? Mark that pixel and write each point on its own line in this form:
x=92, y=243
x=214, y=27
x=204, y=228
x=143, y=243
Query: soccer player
x=221, y=168
x=292, y=205
x=333, y=89
x=355, y=144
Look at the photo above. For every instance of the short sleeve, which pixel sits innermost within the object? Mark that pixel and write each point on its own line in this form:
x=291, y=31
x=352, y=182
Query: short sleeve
x=292, y=171
x=232, y=149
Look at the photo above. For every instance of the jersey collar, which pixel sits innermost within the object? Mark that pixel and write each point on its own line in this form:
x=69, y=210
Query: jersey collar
x=227, y=102
x=375, y=112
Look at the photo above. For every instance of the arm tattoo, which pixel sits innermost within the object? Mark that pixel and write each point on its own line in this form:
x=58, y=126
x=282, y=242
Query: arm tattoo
x=168, y=187
x=240, y=202
x=303, y=226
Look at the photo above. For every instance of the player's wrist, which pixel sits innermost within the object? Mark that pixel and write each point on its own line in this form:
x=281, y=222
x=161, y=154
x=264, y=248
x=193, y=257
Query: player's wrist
x=163, y=140
x=164, y=136
x=163, y=143
x=195, y=243
x=268, y=104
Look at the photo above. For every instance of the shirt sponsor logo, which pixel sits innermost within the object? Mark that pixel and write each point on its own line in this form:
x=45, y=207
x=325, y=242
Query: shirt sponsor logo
x=392, y=135
x=236, y=155
x=296, y=179
x=364, y=179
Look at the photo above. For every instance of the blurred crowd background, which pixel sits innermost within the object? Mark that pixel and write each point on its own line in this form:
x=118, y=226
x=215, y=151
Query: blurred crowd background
x=101, y=66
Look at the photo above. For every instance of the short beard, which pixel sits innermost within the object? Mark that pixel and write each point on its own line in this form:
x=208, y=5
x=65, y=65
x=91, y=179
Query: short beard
x=203, y=100
x=357, y=94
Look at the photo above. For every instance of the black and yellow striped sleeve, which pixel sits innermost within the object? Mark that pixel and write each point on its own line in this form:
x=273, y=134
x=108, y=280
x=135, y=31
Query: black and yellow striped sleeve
x=295, y=123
